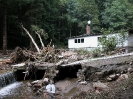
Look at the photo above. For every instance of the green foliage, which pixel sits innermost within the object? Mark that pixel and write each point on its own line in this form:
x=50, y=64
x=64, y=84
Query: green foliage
x=82, y=51
x=63, y=18
x=96, y=52
x=107, y=41
x=39, y=31
x=122, y=37
x=90, y=53
x=79, y=12
x=115, y=14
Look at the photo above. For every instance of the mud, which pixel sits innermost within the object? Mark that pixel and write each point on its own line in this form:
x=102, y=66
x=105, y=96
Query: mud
x=71, y=86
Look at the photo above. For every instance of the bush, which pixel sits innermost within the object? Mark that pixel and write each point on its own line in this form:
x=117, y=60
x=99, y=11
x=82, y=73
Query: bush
x=96, y=52
x=108, y=42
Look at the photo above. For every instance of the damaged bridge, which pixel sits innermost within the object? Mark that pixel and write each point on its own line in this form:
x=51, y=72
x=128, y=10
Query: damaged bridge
x=94, y=69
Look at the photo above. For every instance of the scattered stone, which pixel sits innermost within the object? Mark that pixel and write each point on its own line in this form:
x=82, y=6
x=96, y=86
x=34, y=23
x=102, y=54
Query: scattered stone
x=98, y=86
x=45, y=79
x=113, y=77
x=130, y=70
x=80, y=76
x=83, y=82
x=29, y=85
x=122, y=77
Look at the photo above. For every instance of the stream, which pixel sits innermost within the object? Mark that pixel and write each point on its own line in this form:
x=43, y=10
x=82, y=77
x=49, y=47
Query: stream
x=16, y=90
x=12, y=89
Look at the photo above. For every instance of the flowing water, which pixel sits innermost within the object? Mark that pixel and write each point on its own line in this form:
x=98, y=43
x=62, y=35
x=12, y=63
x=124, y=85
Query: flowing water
x=6, y=78
x=11, y=89
x=16, y=90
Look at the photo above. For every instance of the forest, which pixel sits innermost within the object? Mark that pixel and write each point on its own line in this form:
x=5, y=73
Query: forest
x=59, y=20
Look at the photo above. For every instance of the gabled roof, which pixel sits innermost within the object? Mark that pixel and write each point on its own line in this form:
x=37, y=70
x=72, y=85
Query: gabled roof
x=85, y=35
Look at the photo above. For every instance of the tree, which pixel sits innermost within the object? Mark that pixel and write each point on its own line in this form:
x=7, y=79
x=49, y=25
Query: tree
x=78, y=13
x=115, y=14
x=40, y=32
x=33, y=41
x=4, y=7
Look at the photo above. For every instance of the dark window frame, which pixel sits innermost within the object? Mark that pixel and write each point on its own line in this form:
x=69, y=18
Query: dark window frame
x=79, y=41
x=76, y=41
x=82, y=40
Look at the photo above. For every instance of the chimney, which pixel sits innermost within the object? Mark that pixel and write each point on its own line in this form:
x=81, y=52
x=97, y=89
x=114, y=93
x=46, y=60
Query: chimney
x=88, y=29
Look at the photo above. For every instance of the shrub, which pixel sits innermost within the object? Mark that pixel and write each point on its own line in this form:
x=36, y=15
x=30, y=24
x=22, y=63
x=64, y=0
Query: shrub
x=107, y=41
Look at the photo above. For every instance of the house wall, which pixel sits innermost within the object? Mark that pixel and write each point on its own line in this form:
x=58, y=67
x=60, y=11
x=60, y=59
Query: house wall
x=90, y=41
x=130, y=40
x=129, y=48
x=118, y=40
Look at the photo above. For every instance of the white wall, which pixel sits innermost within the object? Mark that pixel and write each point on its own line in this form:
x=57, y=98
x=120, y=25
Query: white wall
x=130, y=40
x=89, y=41
x=92, y=41
x=125, y=43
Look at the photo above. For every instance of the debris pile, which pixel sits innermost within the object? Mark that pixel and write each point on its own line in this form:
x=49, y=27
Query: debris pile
x=20, y=55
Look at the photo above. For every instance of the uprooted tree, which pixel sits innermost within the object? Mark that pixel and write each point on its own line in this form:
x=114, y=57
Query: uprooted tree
x=39, y=32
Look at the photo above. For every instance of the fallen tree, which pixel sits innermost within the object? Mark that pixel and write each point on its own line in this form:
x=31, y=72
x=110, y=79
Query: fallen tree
x=40, y=32
x=33, y=41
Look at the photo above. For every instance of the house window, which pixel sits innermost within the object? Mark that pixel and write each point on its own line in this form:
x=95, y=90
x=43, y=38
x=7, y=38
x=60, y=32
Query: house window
x=78, y=40
x=82, y=40
x=75, y=40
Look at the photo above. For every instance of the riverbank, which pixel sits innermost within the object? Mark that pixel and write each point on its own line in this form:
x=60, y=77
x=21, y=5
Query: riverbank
x=98, y=75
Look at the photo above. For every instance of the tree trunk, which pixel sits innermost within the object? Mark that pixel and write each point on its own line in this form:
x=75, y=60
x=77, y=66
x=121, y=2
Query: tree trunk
x=31, y=38
x=4, y=32
x=40, y=40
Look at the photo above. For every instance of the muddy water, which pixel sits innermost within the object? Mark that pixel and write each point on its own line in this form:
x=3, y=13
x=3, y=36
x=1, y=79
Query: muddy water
x=70, y=87
x=17, y=90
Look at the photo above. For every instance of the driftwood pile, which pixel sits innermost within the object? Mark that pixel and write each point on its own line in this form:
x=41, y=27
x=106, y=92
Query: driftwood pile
x=49, y=54
x=20, y=55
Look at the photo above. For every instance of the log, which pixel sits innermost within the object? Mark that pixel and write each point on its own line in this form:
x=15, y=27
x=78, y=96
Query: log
x=41, y=40
x=33, y=41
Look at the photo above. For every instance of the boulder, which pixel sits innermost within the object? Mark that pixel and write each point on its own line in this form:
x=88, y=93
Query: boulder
x=98, y=86
x=122, y=77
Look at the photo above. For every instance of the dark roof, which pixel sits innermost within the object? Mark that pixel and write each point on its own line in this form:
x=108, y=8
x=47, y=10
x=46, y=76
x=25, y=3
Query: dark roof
x=85, y=35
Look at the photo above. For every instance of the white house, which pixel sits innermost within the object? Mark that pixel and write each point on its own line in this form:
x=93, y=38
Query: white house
x=83, y=41
x=91, y=41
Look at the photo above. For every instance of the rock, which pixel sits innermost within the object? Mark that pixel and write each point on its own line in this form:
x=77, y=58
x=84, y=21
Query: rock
x=122, y=77
x=131, y=62
x=29, y=85
x=100, y=86
x=109, y=79
x=113, y=77
x=45, y=79
x=83, y=82
x=60, y=57
x=130, y=70
x=36, y=81
x=80, y=76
